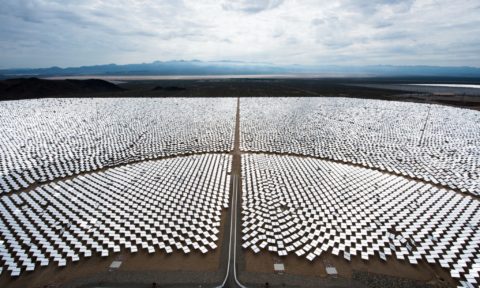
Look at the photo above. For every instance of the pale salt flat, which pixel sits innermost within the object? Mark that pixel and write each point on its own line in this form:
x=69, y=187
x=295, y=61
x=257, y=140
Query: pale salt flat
x=474, y=86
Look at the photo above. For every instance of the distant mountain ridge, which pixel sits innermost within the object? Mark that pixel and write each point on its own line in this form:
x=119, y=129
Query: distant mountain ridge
x=228, y=67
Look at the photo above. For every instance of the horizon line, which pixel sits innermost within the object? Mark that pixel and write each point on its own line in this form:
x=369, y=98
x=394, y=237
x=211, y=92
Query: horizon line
x=226, y=62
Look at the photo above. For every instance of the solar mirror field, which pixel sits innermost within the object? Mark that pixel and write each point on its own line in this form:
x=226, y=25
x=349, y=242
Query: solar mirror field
x=238, y=192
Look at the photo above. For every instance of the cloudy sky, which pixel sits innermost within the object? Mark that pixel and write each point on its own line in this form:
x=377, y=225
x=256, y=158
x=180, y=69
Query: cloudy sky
x=40, y=33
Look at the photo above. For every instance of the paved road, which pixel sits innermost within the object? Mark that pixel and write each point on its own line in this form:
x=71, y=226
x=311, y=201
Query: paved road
x=231, y=279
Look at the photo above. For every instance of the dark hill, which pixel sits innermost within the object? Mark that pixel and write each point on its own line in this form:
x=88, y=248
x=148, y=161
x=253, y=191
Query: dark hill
x=169, y=88
x=23, y=88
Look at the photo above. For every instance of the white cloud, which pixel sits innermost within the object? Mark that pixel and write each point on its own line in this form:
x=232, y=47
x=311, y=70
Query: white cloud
x=251, y=6
x=36, y=33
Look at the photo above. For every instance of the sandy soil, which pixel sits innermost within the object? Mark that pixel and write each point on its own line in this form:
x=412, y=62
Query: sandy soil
x=423, y=272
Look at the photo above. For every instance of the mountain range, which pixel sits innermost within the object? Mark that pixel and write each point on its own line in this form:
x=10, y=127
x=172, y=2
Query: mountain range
x=196, y=67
